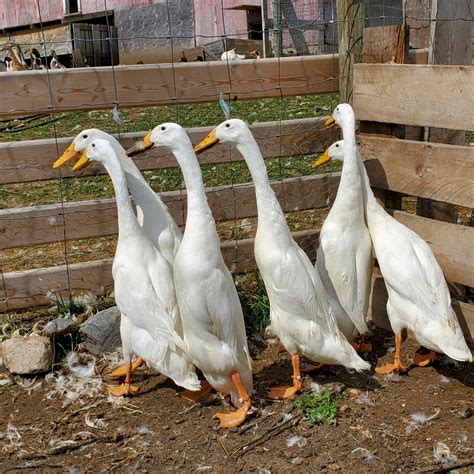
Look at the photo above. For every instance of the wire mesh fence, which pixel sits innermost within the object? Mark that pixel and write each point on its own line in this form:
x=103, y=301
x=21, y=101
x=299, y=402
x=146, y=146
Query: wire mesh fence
x=59, y=223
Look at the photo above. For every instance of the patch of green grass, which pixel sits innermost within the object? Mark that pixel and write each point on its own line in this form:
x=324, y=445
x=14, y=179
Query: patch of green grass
x=319, y=407
x=255, y=303
x=187, y=115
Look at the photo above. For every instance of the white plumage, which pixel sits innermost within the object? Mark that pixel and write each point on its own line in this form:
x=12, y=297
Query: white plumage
x=344, y=257
x=299, y=312
x=210, y=309
x=153, y=216
x=143, y=282
x=418, y=296
x=231, y=56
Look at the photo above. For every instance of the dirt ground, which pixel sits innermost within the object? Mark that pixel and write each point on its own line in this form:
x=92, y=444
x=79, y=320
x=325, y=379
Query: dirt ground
x=79, y=429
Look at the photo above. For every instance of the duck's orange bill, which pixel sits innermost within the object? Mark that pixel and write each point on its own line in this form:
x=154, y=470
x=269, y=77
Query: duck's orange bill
x=82, y=162
x=206, y=143
x=147, y=143
x=69, y=154
x=322, y=160
x=330, y=122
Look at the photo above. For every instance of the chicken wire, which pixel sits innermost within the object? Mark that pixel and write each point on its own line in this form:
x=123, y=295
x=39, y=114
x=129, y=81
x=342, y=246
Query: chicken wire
x=288, y=28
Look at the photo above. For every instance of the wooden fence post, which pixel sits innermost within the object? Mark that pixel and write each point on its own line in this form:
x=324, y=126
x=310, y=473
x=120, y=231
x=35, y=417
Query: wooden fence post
x=450, y=43
x=350, y=28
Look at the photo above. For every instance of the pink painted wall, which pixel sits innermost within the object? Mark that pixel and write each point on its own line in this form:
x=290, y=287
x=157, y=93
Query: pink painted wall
x=209, y=24
x=24, y=12
x=212, y=19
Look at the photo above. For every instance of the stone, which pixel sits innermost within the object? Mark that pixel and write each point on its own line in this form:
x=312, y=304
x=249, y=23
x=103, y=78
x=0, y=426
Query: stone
x=28, y=354
x=59, y=327
x=100, y=334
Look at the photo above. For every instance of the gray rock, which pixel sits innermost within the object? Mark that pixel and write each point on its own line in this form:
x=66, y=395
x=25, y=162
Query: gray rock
x=27, y=354
x=59, y=327
x=101, y=332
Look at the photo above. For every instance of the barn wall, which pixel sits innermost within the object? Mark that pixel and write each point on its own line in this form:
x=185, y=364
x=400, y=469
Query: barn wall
x=15, y=13
x=143, y=31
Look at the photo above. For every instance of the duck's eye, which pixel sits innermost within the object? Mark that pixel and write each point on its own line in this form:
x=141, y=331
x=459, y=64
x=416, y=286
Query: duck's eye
x=227, y=125
x=93, y=145
x=337, y=146
x=163, y=128
x=84, y=136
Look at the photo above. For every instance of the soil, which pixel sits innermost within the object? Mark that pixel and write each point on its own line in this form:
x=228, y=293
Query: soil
x=158, y=431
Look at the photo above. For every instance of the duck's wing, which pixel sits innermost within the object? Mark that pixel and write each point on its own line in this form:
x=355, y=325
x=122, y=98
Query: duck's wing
x=300, y=291
x=350, y=275
x=225, y=310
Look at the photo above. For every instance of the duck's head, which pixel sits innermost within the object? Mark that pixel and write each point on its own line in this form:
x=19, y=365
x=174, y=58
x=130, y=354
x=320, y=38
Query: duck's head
x=342, y=114
x=334, y=152
x=167, y=135
x=233, y=131
x=97, y=150
x=79, y=144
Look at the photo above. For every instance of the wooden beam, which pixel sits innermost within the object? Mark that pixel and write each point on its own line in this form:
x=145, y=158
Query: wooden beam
x=451, y=244
x=165, y=84
x=350, y=28
x=85, y=219
x=415, y=95
x=30, y=287
x=451, y=43
x=27, y=161
x=429, y=170
x=385, y=44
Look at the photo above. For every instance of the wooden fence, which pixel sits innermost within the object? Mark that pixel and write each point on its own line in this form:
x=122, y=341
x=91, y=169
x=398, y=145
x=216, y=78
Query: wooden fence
x=382, y=93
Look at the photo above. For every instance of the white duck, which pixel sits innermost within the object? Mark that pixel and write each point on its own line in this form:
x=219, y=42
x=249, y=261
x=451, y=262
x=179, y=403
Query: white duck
x=153, y=216
x=143, y=284
x=418, y=296
x=344, y=258
x=54, y=63
x=231, y=56
x=152, y=213
x=210, y=309
x=300, y=315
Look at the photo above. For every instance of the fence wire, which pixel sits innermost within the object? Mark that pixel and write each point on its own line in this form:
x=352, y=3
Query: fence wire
x=60, y=232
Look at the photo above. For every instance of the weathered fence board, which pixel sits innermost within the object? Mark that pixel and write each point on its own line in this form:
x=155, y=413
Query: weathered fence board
x=443, y=96
x=30, y=287
x=451, y=244
x=43, y=224
x=27, y=161
x=165, y=84
x=430, y=170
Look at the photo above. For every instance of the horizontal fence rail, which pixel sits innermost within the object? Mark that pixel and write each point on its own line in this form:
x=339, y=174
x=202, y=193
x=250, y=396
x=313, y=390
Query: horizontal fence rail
x=429, y=170
x=20, y=227
x=34, y=287
x=169, y=83
x=166, y=84
x=27, y=161
x=442, y=96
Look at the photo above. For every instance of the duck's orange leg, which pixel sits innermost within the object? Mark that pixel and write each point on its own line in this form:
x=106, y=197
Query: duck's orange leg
x=125, y=388
x=236, y=418
x=197, y=396
x=121, y=371
x=285, y=393
x=362, y=346
x=397, y=365
x=421, y=360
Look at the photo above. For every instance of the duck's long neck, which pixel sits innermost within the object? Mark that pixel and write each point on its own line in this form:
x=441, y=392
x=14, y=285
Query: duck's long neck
x=267, y=203
x=127, y=222
x=370, y=203
x=196, y=196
